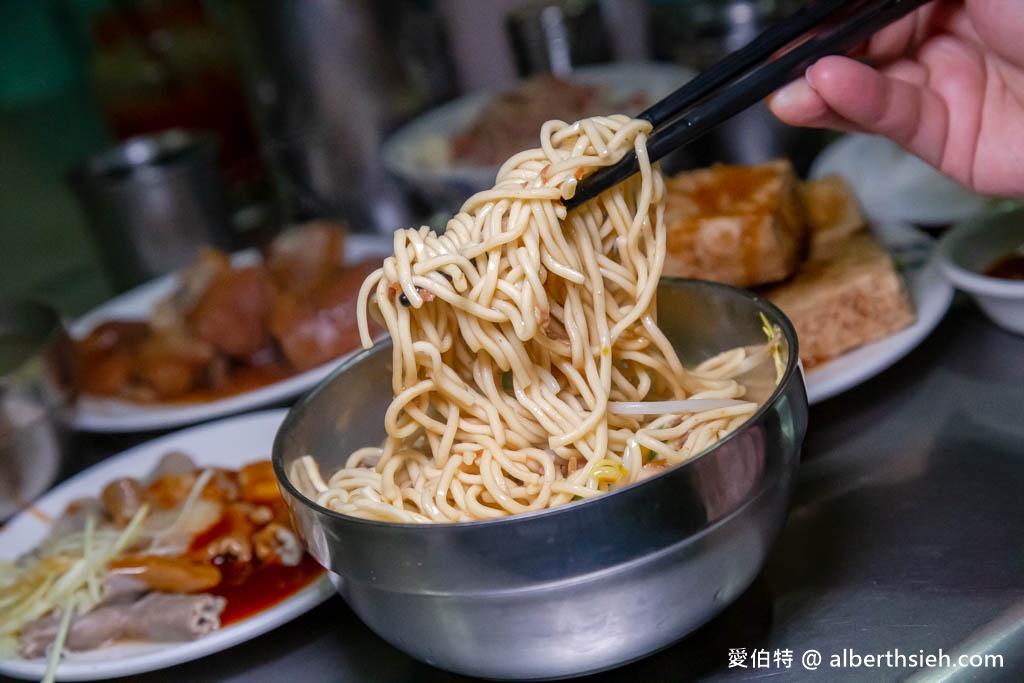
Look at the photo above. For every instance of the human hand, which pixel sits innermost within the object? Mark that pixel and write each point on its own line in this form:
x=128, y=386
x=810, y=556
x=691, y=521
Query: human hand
x=947, y=84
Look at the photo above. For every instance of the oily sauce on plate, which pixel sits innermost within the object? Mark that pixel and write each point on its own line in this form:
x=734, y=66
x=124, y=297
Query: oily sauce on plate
x=251, y=587
x=238, y=381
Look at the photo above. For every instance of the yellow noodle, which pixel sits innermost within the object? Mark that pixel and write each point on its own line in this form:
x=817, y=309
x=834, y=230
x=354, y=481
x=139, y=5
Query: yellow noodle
x=512, y=332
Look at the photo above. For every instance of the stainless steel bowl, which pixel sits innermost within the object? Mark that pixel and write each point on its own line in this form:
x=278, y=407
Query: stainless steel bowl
x=575, y=589
x=35, y=386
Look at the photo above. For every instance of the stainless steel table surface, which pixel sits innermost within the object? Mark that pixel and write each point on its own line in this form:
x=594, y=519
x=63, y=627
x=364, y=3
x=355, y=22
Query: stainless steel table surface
x=906, y=536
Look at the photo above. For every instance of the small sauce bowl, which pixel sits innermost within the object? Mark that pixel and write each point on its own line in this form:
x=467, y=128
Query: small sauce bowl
x=967, y=254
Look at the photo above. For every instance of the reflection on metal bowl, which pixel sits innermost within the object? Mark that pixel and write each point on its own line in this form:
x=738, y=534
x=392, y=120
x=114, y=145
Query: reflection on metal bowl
x=34, y=388
x=583, y=587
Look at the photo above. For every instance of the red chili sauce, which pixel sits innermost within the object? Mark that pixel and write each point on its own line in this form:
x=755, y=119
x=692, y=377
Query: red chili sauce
x=251, y=587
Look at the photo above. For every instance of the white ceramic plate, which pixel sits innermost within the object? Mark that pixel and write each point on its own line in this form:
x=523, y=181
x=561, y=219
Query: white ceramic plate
x=229, y=443
x=909, y=190
x=931, y=295
x=418, y=153
x=97, y=414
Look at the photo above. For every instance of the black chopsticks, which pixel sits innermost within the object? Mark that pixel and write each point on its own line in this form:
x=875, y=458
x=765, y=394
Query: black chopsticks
x=779, y=55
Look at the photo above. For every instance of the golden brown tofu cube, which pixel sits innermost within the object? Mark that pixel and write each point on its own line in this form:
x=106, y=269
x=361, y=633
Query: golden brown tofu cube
x=741, y=225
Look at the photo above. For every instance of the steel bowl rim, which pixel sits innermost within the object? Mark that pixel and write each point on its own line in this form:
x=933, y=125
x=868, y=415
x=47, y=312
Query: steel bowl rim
x=294, y=413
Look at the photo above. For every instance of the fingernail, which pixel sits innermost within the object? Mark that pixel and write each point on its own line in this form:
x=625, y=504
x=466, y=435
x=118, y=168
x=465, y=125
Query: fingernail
x=793, y=95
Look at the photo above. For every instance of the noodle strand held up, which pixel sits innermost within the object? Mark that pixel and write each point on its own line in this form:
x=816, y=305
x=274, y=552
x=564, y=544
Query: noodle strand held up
x=514, y=330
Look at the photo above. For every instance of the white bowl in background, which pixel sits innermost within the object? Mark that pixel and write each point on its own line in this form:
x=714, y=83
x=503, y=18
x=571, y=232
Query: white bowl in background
x=894, y=185
x=972, y=247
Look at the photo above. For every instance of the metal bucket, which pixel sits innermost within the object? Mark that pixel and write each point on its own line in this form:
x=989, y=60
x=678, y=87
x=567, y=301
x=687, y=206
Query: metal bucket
x=152, y=201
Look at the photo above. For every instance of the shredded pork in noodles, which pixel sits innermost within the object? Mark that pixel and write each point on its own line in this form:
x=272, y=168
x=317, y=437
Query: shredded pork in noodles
x=525, y=337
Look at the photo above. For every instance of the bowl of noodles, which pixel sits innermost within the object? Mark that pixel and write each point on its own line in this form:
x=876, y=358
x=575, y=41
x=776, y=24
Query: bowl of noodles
x=560, y=462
